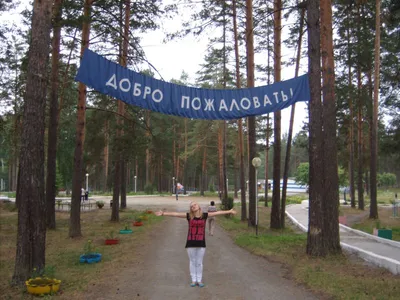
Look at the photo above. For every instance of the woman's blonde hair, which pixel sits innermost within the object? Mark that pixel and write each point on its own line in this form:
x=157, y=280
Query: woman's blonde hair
x=191, y=214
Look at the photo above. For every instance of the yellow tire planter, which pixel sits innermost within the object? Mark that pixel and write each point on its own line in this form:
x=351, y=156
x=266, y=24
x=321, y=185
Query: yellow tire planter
x=42, y=286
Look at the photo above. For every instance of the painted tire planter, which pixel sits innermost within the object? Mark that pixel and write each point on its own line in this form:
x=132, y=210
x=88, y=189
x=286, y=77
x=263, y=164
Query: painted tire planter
x=111, y=241
x=42, y=286
x=149, y=212
x=125, y=231
x=145, y=218
x=137, y=223
x=90, y=258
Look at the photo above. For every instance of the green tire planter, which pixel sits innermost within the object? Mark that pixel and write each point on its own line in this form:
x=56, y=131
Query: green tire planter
x=125, y=231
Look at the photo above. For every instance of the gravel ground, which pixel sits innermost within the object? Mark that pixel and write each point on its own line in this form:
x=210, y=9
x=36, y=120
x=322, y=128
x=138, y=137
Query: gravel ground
x=160, y=269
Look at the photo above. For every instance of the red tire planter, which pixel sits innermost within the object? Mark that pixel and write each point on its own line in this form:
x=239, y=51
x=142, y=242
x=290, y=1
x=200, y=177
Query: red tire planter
x=137, y=223
x=111, y=241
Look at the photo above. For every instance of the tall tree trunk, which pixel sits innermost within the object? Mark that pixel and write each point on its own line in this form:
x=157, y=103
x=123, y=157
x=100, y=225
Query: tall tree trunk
x=116, y=188
x=31, y=236
x=268, y=129
x=360, y=187
x=53, y=122
x=220, y=164
x=242, y=179
x=123, y=183
x=184, y=181
x=203, y=170
x=224, y=140
x=360, y=154
x=330, y=205
x=121, y=105
x=240, y=121
x=77, y=177
x=174, y=169
x=373, y=212
x=315, y=241
x=105, y=155
x=351, y=127
x=235, y=172
x=148, y=154
x=276, y=192
x=251, y=121
x=290, y=135
x=266, y=189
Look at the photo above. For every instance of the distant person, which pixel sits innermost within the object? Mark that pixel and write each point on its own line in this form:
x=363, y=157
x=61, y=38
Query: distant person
x=211, y=220
x=82, y=194
x=196, y=238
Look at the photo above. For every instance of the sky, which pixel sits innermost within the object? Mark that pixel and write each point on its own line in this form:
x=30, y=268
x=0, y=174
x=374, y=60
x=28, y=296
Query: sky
x=186, y=54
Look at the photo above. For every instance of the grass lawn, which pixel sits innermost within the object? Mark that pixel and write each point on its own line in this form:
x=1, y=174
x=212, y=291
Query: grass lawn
x=63, y=253
x=386, y=220
x=334, y=277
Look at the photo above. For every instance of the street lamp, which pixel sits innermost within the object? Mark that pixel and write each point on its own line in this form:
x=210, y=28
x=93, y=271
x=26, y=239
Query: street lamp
x=87, y=182
x=173, y=184
x=227, y=184
x=135, y=177
x=256, y=162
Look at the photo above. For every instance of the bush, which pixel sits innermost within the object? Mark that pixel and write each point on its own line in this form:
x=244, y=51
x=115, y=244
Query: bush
x=211, y=188
x=149, y=189
x=100, y=203
x=228, y=204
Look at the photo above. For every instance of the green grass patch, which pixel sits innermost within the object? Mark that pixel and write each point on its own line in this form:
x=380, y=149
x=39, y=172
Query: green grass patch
x=386, y=220
x=208, y=194
x=334, y=277
x=63, y=253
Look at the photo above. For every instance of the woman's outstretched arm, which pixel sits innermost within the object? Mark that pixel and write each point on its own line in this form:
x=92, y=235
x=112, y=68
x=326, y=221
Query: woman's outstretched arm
x=170, y=214
x=222, y=212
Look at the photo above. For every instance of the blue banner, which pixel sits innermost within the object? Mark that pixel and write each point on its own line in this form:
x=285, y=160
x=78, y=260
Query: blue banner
x=140, y=90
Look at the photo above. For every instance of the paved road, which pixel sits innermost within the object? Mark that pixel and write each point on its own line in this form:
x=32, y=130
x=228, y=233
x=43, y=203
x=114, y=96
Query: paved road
x=230, y=272
x=381, y=252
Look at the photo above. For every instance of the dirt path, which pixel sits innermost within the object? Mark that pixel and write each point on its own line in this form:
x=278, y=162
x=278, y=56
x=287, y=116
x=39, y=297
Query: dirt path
x=161, y=271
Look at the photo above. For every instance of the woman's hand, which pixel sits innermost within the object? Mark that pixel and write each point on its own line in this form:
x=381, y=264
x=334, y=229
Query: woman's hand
x=159, y=213
x=232, y=211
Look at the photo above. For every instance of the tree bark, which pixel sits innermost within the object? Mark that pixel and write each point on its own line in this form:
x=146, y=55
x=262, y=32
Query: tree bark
x=77, y=177
x=203, y=170
x=31, y=236
x=360, y=187
x=373, y=213
x=251, y=120
x=351, y=127
x=266, y=189
x=105, y=155
x=276, y=192
x=148, y=154
x=330, y=205
x=315, y=241
x=53, y=121
x=240, y=121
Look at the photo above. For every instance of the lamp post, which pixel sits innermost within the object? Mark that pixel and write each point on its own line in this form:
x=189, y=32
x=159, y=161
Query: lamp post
x=227, y=184
x=87, y=182
x=173, y=185
x=256, y=162
x=135, y=177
